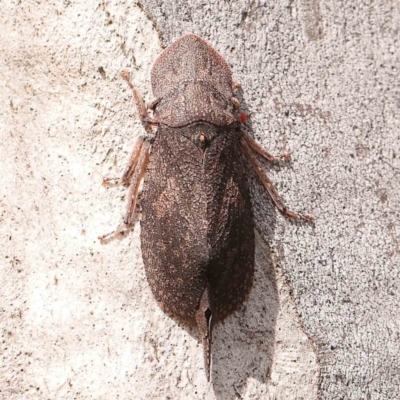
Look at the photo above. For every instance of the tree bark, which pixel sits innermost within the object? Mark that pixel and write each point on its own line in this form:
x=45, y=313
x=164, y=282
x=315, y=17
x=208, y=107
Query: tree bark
x=320, y=79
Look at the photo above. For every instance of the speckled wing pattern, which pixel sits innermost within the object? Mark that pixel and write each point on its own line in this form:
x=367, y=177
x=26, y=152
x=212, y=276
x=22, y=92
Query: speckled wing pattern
x=173, y=224
x=197, y=224
x=230, y=229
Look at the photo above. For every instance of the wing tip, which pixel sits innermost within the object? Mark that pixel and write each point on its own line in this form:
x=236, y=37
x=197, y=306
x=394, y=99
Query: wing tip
x=204, y=319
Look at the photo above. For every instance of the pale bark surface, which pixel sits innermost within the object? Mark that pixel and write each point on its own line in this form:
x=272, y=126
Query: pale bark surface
x=320, y=79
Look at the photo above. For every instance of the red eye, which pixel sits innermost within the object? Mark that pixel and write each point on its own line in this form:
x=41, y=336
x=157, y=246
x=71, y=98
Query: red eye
x=243, y=117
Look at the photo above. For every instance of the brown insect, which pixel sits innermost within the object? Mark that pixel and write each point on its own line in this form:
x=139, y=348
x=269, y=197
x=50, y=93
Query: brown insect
x=197, y=230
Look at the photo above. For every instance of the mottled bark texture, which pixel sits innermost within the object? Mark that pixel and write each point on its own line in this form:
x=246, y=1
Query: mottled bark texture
x=320, y=80
x=324, y=80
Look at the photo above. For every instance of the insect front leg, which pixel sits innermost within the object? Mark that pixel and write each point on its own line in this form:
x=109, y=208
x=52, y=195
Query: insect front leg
x=136, y=174
x=140, y=105
x=236, y=86
x=235, y=103
x=276, y=198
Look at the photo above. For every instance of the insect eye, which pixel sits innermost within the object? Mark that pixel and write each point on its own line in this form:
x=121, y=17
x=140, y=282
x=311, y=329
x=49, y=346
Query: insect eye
x=243, y=117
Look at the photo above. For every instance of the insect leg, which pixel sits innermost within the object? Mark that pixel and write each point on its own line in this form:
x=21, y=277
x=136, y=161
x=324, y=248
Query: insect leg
x=130, y=168
x=134, y=188
x=235, y=103
x=139, y=103
x=276, y=198
x=236, y=86
x=262, y=152
x=137, y=176
x=154, y=103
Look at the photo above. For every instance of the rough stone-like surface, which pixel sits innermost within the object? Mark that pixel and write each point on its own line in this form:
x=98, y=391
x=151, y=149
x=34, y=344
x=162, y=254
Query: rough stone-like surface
x=320, y=80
